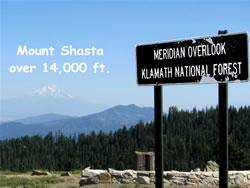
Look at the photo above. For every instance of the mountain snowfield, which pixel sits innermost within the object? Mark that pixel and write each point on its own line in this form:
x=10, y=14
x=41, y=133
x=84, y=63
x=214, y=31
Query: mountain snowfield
x=50, y=91
x=44, y=100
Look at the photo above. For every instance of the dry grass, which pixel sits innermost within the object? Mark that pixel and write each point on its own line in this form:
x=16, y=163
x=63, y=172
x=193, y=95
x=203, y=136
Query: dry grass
x=67, y=182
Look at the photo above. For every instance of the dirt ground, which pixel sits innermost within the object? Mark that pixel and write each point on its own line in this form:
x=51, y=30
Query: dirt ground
x=69, y=182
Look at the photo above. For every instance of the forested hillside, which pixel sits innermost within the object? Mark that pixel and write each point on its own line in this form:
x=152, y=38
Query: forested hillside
x=190, y=140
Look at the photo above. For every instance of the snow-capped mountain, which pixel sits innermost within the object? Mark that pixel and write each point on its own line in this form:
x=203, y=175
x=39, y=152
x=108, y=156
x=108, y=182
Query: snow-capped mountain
x=50, y=91
x=46, y=99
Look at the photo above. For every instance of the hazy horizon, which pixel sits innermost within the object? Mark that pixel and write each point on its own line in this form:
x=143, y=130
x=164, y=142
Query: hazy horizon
x=106, y=33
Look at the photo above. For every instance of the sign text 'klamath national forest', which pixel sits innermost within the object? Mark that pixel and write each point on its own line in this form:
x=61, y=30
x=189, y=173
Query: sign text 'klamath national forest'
x=218, y=59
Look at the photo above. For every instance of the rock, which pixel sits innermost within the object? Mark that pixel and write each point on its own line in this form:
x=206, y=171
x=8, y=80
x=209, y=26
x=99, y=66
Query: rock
x=181, y=174
x=192, y=176
x=127, y=181
x=197, y=170
x=39, y=173
x=176, y=182
x=211, y=166
x=87, y=168
x=194, y=180
x=130, y=173
x=202, y=176
x=114, y=172
x=66, y=174
x=166, y=182
x=89, y=176
x=143, y=180
x=144, y=173
x=208, y=174
x=93, y=180
x=129, y=176
x=152, y=179
x=232, y=179
x=90, y=172
x=239, y=179
x=215, y=174
x=88, y=181
x=115, y=181
x=123, y=176
x=105, y=177
x=179, y=178
x=83, y=181
x=168, y=176
x=151, y=174
x=191, y=184
x=210, y=181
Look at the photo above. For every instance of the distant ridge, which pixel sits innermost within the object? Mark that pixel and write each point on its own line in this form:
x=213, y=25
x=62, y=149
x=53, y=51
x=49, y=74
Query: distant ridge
x=44, y=118
x=109, y=120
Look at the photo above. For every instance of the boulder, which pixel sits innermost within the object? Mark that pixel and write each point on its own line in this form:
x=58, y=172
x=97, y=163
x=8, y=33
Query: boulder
x=211, y=166
x=83, y=181
x=143, y=180
x=89, y=176
x=176, y=182
x=215, y=174
x=116, y=181
x=210, y=181
x=105, y=177
x=197, y=170
x=40, y=173
x=127, y=181
x=166, y=182
x=168, y=176
x=129, y=176
x=239, y=180
x=123, y=176
x=144, y=173
x=88, y=181
x=115, y=172
x=66, y=174
x=90, y=172
x=87, y=168
x=194, y=180
x=130, y=173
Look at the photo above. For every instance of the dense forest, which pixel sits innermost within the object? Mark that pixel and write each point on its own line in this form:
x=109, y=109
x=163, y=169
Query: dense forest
x=190, y=140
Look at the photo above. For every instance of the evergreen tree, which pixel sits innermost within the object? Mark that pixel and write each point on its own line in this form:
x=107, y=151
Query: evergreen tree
x=190, y=140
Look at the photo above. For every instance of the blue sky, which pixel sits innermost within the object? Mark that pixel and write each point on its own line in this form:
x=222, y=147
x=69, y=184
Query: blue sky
x=117, y=27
